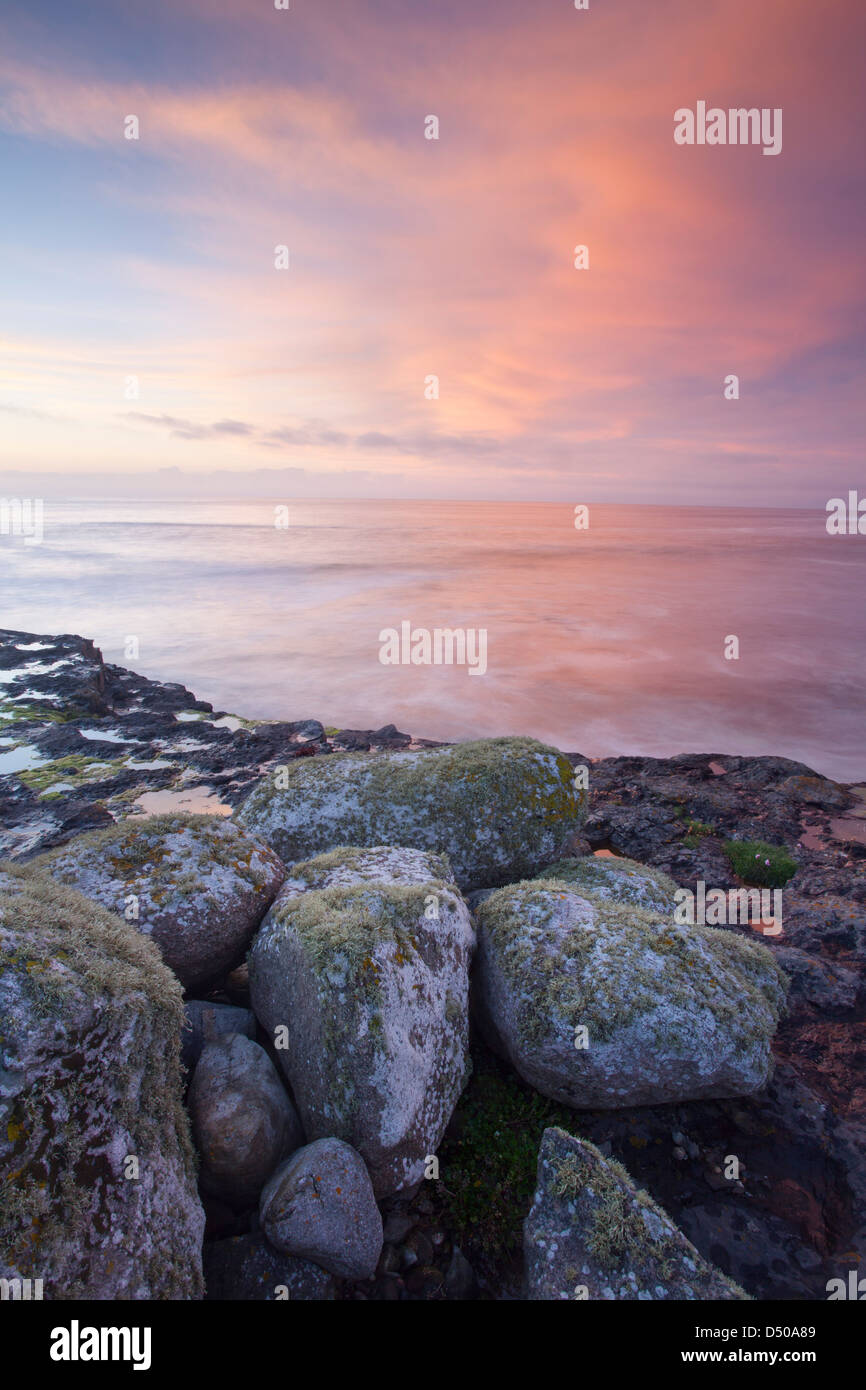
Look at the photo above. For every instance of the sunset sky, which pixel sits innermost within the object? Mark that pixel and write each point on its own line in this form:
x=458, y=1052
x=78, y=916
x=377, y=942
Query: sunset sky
x=411, y=257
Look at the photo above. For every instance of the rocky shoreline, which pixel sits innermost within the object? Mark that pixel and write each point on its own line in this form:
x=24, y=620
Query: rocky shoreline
x=101, y=767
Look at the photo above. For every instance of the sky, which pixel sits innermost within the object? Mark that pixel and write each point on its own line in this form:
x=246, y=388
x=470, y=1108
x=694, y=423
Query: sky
x=149, y=344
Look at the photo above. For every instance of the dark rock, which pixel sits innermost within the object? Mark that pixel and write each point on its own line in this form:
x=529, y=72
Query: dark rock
x=243, y=1122
x=247, y=1268
x=206, y=1021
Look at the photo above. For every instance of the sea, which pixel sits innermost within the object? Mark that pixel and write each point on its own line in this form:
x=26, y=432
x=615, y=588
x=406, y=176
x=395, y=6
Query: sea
x=648, y=631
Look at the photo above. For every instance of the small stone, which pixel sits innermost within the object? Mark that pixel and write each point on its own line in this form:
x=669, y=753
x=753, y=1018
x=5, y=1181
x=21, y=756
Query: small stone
x=319, y=1205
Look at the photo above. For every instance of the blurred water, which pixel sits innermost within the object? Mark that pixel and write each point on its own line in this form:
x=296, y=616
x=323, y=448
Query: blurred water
x=603, y=641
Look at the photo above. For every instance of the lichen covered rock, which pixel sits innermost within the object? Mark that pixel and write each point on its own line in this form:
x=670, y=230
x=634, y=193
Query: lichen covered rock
x=243, y=1122
x=617, y=880
x=319, y=1205
x=499, y=808
x=362, y=980
x=601, y=1004
x=197, y=885
x=97, y=1172
x=592, y=1234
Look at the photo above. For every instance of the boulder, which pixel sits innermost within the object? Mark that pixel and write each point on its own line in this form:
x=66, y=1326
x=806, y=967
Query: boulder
x=602, y=1005
x=206, y=1021
x=499, y=808
x=592, y=1234
x=360, y=974
x=197, y=885
x=243, y=1122
x=247, y=1268
x=97, y=1171
x=319, y=1205
x=617, y=880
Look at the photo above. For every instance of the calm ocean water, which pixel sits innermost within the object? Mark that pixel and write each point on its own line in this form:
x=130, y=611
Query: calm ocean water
x=609, y=640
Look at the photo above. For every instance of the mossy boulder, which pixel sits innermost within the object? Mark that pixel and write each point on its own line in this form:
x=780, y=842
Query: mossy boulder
x=197, y=885
x=499, y=808
x=243, y=1122
x=97, y=1171
x=602, y=1004
x=617, y=880
x=592, y=1234
x=362, y=981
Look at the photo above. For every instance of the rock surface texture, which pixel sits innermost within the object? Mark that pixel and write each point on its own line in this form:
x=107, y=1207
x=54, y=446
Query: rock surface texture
x=243, y=1122
x=601, y=1004
x=499, y=809
x=197, y=885
x=592, y=1234
x=319, y=1205
x=97, y=1185
x=360, y=974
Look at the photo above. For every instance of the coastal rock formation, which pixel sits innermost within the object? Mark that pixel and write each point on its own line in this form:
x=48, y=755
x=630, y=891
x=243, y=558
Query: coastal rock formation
x=616, y=880
x=592, y=1234
x=84, y=743
x=319, y=1205
x=499, y=809
x=601, y=1004
x=360, y=973
x=243, y=1122
x=97, y=1186
x=197, y=885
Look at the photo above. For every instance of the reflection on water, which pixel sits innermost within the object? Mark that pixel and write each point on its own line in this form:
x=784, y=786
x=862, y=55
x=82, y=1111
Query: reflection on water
x=603, y=641
x=197, y=801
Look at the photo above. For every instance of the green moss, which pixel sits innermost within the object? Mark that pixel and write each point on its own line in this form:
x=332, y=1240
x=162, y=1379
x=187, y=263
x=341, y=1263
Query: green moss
x=618, y=1235
x=697, y=830
x=340, y=929
x=754, y=861
x=138, y=848
x=313, y=871
x=463, y=800
x=581, y=986
x=21, y=711
x=489, y=1157
x=57, y=947
x=78, y=767
x=594, y=876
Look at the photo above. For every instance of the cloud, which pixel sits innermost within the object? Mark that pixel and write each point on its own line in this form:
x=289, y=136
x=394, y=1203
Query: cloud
x=455, y=258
